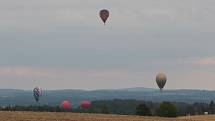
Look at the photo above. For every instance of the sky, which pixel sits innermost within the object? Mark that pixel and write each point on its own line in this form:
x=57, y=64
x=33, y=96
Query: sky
x=63, y=44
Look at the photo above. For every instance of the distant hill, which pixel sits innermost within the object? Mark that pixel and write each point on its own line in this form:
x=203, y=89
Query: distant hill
x=53, y=97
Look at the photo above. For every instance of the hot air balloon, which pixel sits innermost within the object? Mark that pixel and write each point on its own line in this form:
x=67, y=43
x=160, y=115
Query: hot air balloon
x=85, y=104
x=65, y=105
x=104, y=14
x=161, y=80
x=37, y=93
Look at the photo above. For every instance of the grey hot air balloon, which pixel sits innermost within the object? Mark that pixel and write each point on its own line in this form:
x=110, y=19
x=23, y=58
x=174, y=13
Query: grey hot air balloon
x=161, y=80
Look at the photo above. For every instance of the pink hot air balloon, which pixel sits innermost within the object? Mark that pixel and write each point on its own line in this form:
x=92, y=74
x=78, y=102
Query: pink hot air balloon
x=104, y=14
x=65, y=104
x=85, y=104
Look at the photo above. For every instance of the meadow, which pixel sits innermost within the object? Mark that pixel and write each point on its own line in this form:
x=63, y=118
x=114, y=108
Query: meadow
x=52, y=116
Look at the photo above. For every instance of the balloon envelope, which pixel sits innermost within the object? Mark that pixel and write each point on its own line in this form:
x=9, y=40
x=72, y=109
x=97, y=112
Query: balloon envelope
x=85, y=104
x=37, y=93
x=104, y=14
x=65, y=104
x=161, y=80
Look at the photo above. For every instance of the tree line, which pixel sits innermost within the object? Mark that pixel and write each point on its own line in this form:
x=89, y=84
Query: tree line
x=128, y=107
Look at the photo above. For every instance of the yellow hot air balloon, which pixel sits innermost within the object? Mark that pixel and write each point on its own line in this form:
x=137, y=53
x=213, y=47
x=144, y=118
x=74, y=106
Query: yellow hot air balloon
x=161, y=80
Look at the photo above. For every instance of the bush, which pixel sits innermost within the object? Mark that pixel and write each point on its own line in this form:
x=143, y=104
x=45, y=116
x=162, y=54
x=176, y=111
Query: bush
x=167, y=109
x=143, y=110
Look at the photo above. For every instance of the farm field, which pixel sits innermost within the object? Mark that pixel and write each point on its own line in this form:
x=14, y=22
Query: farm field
x=50, y=116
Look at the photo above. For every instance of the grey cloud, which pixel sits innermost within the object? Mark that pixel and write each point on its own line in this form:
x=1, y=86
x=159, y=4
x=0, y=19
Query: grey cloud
x=140, y=36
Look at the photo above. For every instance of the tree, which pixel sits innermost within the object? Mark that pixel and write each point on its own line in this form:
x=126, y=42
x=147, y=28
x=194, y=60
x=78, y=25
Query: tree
x=143, y=110
x=104, y=109
x=200, y=108
x=167, y=109
x=211, y=107
x=190, y=110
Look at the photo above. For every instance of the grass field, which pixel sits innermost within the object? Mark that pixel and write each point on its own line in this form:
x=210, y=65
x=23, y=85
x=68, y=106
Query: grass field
x=33, y=116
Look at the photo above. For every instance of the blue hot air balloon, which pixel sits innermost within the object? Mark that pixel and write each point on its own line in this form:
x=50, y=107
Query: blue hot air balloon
x=37, y=93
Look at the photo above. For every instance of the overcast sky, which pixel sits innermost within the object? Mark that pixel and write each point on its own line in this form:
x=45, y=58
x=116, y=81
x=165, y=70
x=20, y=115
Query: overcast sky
x=63, y=44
